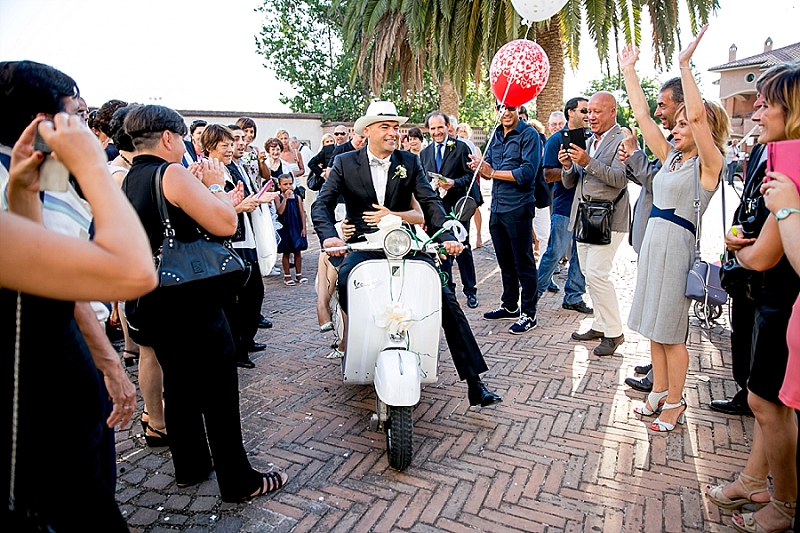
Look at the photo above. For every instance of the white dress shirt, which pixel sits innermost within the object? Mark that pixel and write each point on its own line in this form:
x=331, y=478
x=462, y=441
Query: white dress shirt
x=379, y=170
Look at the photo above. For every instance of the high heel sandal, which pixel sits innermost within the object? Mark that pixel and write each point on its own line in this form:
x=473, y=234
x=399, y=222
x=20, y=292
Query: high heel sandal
x=719, y=499
x=145, y=421
x=158, y=440
x=749, y=524
x=654, y=399
x=662, y=427
x=130, y=361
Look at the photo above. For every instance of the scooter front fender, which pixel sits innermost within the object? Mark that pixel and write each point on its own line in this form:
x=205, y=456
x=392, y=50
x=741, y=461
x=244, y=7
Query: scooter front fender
x=397, y=378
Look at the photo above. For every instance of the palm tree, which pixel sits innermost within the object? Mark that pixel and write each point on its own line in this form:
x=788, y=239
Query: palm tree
x=456, y=39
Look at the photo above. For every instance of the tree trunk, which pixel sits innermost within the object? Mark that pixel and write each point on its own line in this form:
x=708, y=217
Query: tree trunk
x=552, y=96
x=448, y=97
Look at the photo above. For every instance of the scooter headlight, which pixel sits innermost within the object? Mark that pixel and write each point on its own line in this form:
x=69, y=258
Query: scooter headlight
x=397, y=243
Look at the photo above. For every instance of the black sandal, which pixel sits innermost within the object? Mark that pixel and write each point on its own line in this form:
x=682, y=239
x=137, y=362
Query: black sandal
x=274, y=481
x=160, y=438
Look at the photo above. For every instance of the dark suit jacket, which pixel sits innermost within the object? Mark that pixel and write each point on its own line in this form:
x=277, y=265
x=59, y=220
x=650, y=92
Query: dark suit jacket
x=341, y=149
x=236, y=177
x=190, y=150
x=454, y=166
x=350, y=177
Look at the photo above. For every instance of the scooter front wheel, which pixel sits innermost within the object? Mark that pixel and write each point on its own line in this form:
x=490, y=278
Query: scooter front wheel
x=399, y=437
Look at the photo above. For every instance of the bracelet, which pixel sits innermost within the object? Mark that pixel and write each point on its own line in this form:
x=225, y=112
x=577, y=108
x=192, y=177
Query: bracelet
x=492, y=174
x=685, y=68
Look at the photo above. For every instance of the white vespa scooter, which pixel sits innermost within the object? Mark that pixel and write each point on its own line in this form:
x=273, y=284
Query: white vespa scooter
x=393, y=330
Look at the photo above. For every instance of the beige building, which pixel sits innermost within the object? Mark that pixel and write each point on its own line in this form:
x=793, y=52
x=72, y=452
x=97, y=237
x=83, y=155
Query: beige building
x=737, y=82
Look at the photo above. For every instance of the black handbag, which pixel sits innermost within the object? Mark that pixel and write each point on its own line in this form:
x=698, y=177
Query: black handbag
x=703, y=282
x=181, y=262
x=593, y=220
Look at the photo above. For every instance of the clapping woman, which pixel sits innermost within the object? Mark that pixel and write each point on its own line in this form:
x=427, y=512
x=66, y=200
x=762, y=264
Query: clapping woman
x=185, y=323
x=660, y=309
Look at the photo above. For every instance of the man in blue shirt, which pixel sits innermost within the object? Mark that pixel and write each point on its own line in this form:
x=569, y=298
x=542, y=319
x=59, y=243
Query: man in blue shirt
x=561, y=238
x=512, y=161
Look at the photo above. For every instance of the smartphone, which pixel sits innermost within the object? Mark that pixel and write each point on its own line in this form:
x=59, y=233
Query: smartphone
x=576, y=137
x=53, y=175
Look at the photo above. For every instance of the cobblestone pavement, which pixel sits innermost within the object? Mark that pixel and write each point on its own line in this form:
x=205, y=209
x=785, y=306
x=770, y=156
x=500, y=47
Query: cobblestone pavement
x=562, y=453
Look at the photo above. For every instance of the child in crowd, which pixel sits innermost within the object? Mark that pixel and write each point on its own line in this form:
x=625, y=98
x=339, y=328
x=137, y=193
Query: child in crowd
x=293, y=233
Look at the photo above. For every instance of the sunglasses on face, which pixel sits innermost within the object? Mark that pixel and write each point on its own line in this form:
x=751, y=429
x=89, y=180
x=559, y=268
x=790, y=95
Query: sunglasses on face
x=584, y=111
x=506, y=108
x=338, y=133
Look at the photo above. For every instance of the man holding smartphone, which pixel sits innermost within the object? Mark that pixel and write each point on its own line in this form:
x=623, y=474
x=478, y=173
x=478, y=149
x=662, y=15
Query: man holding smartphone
x=561, y=238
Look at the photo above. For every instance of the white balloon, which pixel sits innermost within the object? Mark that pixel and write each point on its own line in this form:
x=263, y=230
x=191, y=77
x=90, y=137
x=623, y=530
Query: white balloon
x=537, y=10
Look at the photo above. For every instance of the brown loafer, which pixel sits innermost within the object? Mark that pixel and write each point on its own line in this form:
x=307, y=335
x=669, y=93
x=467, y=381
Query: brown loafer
x=609, y=345
x=588, y=336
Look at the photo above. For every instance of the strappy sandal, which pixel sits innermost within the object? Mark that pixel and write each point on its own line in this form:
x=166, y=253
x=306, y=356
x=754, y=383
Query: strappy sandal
x=158, y=440
x=271, y=482
x=749, y=524
x=719, y=499
x=654, y=398
x=301, y=279
x=145, y=420
x=662, y=427
x=288, y=281
x=327, y=326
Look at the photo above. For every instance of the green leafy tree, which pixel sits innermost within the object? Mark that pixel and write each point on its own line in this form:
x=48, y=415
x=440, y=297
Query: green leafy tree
x=301, y=41
x=456, y=39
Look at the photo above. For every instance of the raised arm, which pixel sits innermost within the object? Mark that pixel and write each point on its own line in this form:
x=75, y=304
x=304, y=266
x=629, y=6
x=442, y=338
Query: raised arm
x=711, y=159
x=116, y=265
x=641, y=110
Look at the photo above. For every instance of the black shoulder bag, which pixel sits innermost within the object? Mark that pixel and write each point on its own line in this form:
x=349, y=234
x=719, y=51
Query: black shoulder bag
x=593, y=220
x=180, y=262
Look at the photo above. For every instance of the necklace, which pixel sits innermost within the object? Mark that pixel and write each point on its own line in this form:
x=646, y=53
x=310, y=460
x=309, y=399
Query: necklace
x=676, y=163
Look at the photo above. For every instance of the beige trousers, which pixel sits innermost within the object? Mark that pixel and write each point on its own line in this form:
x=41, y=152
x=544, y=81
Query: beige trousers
x=596, y=261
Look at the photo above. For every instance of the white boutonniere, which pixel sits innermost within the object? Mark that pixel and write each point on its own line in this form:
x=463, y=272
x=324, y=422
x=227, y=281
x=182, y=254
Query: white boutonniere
x=400, y=172
x=450, y=144
x=247, y=157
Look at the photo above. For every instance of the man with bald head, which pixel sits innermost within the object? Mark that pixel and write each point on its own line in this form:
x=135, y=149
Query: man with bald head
x=599, y=175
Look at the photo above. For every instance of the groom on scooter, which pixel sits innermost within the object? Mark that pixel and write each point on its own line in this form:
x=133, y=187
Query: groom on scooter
x=378, y=177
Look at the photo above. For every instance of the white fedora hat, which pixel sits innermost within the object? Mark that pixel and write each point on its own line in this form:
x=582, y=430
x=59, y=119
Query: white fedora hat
x=378, y=112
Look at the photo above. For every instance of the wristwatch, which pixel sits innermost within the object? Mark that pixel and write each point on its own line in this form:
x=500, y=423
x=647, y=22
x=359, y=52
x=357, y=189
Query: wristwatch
x=214, y=187
x=785, y=212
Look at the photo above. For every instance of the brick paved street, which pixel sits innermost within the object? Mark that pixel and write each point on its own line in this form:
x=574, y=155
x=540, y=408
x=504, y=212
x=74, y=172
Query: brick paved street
x=562, y=453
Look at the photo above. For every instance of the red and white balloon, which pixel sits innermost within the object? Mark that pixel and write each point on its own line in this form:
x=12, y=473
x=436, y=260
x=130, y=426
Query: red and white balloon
x=537, y=10
x=519, y=72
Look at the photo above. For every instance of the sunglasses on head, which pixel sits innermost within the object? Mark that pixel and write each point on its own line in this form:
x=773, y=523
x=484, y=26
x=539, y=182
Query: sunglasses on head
x=502, y=107
x=339, y=133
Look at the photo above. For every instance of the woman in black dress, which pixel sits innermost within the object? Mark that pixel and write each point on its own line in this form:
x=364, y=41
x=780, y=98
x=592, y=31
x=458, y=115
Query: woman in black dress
x=185, y=323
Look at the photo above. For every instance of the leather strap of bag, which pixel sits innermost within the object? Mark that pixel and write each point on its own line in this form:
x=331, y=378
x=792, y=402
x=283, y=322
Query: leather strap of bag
x=161, y=202
x=696, y=213
x=613, y=203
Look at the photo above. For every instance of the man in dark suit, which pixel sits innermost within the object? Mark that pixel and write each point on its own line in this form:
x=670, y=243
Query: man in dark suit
x=356, y=143
x=380, y=177
x=449, y=158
